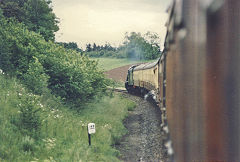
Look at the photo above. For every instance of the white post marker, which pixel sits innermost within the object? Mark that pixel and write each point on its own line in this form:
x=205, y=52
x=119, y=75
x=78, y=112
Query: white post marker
x=91, y=130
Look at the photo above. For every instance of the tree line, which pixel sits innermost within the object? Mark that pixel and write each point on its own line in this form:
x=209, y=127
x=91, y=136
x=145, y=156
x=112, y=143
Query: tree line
x=93, y=47
x=135, y=46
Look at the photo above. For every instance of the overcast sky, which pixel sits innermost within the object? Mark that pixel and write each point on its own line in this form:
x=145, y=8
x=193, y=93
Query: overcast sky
x=101, y=21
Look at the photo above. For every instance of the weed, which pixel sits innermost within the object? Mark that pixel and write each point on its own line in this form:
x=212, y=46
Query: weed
x=28, y=144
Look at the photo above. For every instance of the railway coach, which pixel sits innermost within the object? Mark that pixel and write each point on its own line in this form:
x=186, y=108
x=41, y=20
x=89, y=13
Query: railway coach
x=197, y=80
x=146, y=77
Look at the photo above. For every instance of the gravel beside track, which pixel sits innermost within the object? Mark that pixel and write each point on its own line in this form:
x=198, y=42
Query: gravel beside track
x=144, y=140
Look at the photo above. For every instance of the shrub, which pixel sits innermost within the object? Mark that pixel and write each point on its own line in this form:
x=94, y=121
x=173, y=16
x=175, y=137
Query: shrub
x=29, y=121
x=35, y=78
x=28, y=144
x=131, y=105
x=38, y=63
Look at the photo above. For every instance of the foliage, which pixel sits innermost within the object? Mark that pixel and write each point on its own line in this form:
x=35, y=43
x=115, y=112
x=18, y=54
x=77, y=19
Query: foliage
x=35, y=78
x=20, y=120
x=63, y=134
x=35, y=124
x=1, y=13
x=94, y=47
x=100, y=51
x=37, y=15
x=73, y=77
x=138, y=47
x=135, y=47
x=28, y=144
x=131, y=106
x=29, y=121
x=70, y=45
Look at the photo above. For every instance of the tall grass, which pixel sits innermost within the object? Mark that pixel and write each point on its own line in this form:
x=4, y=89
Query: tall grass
x=63, y=132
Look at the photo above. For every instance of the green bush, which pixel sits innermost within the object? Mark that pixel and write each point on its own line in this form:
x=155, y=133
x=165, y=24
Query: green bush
x=29, y=121
x=67, y=73
x=35, y=78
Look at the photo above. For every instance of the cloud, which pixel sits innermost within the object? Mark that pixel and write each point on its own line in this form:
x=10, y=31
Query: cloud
x=108, y=5
x=101, y=21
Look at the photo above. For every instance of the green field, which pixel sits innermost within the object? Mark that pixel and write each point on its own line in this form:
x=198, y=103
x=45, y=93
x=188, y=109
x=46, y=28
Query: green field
x=111, y=63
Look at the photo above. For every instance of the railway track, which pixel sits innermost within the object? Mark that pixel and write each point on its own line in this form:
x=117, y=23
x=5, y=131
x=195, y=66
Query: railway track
x=144, y=140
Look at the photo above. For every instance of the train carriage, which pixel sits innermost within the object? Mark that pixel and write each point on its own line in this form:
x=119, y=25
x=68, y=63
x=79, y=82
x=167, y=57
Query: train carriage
x=143, y=77
x=197, y=79
x=146, y=75
x=202, y=76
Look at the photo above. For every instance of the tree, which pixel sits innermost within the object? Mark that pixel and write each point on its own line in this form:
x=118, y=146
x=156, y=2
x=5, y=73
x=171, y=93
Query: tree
x=142, y=47
x=40, y=65
x=88, y=47
x=94, y=47
x=153, y=39
x=12, y=8
x=1, y=13
x=37, y=15
x=70, y=45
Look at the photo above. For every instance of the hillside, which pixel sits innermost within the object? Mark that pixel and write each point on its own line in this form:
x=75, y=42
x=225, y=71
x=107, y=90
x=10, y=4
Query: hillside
x=48, y=95
x=38, y=128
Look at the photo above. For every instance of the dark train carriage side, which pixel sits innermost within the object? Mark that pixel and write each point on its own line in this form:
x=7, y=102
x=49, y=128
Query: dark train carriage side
x=202, y=50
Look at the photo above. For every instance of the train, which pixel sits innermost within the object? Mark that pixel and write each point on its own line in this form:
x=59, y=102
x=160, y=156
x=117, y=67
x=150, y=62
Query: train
x=196, y=80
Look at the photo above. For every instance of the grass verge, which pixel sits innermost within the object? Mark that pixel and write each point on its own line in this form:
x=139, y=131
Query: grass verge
x=62, y=134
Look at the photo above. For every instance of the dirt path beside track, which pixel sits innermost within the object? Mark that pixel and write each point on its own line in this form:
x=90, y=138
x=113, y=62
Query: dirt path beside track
x=118, y=74
x=144, y=140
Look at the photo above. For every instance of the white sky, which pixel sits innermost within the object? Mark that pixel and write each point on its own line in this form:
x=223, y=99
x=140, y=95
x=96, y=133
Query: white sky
x=101, y=21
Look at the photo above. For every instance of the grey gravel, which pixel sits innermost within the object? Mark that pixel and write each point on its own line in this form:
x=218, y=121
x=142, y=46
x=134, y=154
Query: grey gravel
x=144, y=140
